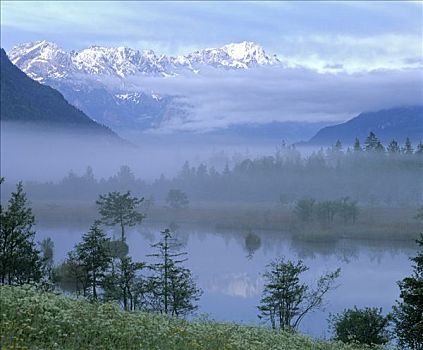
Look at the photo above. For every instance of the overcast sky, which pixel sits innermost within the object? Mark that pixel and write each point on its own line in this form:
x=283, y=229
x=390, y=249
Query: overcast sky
x=375, y=46
x=315, y=34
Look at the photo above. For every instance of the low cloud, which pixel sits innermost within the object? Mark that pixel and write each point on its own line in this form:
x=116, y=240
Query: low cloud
x=216, y=98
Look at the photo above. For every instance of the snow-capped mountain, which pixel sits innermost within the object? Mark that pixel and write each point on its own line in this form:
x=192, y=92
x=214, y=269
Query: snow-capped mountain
x=242, y=55
x=43, y=59
x=97, y=79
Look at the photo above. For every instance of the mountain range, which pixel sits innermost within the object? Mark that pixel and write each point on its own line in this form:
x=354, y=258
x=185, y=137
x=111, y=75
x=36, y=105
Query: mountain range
x=45, y=60
x=97, y=80
x=30, y=103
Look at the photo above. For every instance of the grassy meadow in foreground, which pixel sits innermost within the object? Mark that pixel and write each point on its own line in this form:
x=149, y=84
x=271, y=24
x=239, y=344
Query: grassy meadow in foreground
x=32, y=319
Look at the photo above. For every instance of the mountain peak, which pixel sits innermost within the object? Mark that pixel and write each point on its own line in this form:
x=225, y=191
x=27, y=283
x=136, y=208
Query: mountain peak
x=41, y=57
x=40, y=47
x=247, y=51
x=241, y=55
x=242, y=47
x=44, y=59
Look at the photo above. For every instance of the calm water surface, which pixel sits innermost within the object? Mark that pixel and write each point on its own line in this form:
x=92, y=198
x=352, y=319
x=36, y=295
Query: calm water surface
x=228, y=268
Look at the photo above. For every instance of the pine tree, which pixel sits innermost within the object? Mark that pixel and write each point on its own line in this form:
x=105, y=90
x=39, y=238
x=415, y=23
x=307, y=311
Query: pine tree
x=357, y=146
x=408, y=313
x=120, y=209
x=393, y=147
x=94, y=257
x=373, y=144
x=408, y=148
x=337, y=147
x=20, y=260
x=172, y=289
x=185, y=173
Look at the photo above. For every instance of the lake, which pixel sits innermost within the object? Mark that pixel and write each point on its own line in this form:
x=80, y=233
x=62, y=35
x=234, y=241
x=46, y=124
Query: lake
x=228, y=267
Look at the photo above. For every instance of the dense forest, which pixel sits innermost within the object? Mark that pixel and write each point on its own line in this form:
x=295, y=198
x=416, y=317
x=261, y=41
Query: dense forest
x=371, y=174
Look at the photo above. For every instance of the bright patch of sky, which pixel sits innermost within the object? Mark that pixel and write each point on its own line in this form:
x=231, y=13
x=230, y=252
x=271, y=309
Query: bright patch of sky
x=326, y=36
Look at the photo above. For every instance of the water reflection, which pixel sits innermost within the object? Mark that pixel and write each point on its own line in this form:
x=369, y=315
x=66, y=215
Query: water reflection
x=235, y=284
x=228, y=266
x=252, y=243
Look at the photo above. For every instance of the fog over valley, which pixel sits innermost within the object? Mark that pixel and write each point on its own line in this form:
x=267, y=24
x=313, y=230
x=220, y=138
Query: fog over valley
x=211, y=175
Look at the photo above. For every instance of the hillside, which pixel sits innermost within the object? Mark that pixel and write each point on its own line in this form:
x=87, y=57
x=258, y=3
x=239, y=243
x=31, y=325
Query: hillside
x=396, y=123
x=46, y=320
x=26, y=101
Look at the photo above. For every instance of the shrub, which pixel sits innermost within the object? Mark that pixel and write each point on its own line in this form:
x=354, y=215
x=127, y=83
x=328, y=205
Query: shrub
x=364, y=326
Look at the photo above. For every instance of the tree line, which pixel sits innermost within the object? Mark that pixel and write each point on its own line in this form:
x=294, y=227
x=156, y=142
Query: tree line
x=369, y=172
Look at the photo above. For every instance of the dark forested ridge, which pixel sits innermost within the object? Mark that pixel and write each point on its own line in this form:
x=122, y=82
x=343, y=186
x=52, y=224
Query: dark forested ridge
x=395, y=123
x=26, y=101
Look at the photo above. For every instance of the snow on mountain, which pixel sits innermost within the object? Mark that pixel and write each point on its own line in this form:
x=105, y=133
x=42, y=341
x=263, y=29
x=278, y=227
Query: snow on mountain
x=43, y=59
x=242, y=56
x=134, y=97
x=83, y=78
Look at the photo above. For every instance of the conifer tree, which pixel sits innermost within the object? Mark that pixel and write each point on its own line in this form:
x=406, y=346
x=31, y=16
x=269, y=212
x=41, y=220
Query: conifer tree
x=172, y=289
x=408, y=313
x=120, y=209
x=338, y=146
x=94, y=257
x=393, y=147
x=408, y=148
x=373, y=144
x=357, y=146
x=20, y=260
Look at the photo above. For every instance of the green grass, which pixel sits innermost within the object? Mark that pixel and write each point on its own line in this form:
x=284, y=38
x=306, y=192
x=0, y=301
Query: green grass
x=32, y=319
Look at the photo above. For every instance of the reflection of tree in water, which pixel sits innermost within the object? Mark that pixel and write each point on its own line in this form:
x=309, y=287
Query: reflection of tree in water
x=333, y=247
x=180, y=235
x=347, y=250
x=252, y=243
